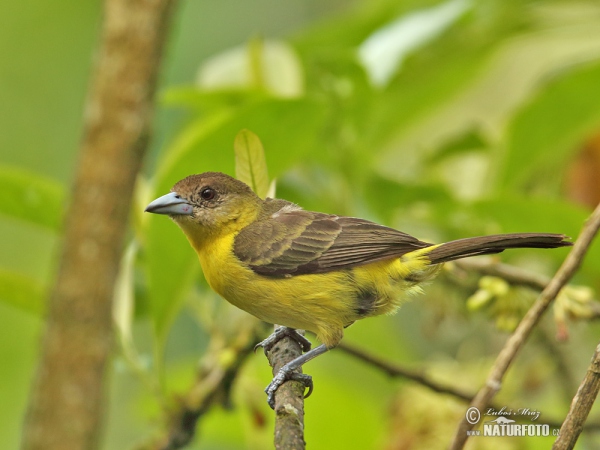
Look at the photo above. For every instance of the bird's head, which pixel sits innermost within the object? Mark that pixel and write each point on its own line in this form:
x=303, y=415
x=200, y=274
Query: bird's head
x=206, y=204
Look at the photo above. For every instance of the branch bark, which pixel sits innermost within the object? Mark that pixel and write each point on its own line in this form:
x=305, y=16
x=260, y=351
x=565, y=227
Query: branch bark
x=397, y=371
x=394, y=370
x=289, y=400
x=65, y=406
x=517, y=339
x=580, y=406
x=511, y=274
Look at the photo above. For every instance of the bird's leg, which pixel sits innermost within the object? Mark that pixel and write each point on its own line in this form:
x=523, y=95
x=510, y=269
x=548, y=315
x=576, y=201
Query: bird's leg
x=279, y=334
x=287, y=373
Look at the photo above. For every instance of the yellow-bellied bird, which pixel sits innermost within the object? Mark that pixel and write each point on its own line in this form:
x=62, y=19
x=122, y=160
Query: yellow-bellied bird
x=309, y=270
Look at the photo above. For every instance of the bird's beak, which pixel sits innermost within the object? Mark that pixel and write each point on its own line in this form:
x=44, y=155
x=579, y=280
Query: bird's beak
x=171, y=204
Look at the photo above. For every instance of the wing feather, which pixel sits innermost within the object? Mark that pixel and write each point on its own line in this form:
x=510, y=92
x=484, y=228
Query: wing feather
x=292, y=241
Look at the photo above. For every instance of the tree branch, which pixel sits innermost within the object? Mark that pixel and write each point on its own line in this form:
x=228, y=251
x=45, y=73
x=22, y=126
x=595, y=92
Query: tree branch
x=580, y=406
x=289, y=400
x=517, y=339
x=65, y=407
x=214, y=381
x=395, y=370
x=511, y=274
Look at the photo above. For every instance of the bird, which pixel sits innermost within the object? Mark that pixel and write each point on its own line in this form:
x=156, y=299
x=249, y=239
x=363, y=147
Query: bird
x=309, y=270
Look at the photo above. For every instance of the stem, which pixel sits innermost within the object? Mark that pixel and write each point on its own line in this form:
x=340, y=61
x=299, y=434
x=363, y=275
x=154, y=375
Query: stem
x=289, y=399
x=580, y=406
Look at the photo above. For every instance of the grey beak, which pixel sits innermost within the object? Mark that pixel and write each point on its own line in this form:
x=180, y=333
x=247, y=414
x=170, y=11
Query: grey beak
x=170, y=204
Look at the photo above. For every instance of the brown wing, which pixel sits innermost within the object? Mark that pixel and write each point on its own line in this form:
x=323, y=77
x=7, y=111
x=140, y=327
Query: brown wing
x=301, y=242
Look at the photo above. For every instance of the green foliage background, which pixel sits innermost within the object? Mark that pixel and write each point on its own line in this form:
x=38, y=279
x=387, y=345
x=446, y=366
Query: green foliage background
x=471, y=133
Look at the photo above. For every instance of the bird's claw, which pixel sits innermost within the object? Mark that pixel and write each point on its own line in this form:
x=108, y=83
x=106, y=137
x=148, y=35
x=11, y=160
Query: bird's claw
x=279, y=334
x=283, y=376
x=288, y=371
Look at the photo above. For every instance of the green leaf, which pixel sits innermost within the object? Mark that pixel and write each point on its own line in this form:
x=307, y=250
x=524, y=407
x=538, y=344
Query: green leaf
x=472, y=139
x=22, y=292
x=30, y=197
x=518, y=213
x=185, y=155
x=387, y=197
x=436, y=74
x=250, y=162
x=202, y=145
x=383, y=52
x=266, y=65
x=551, y=127
x=170, y=264
x=202, y=101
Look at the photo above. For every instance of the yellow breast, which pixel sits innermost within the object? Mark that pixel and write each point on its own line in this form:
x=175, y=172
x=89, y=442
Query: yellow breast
x=322, y=303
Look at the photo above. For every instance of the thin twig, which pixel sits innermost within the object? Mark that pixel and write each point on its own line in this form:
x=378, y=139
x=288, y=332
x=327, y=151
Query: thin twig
x=511, y=274
x=289, y=399
x=580, y=406
x=395, y=370
x=517, y=339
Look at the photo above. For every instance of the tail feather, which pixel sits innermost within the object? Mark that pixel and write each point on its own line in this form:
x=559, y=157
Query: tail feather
x=486, y=245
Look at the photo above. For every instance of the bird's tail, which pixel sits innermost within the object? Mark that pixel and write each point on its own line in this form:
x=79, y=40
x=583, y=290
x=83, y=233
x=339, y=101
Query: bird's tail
x=485, y=245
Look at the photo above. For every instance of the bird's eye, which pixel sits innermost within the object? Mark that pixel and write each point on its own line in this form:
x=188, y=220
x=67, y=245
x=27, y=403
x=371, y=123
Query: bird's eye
x=207, y=193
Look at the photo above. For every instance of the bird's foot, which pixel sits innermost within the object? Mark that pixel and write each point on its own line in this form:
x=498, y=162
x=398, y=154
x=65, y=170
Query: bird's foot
x=282, y=376
x=279, y=334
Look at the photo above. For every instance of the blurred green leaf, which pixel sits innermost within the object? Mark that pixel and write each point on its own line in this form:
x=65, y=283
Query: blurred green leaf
x=517, y=213
x=204, y=143
x=470, y=140
x=387, y=196
x=450, y=64
x=350, y=27
x=170, y=265
x=420, y=90
x=22, y=292
x=365, y=413
x=383, y=52
x=250, y=162
x=266, y=65
x=184, y=155
x=31, y=197
x=551, y=127
x=200, y=101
